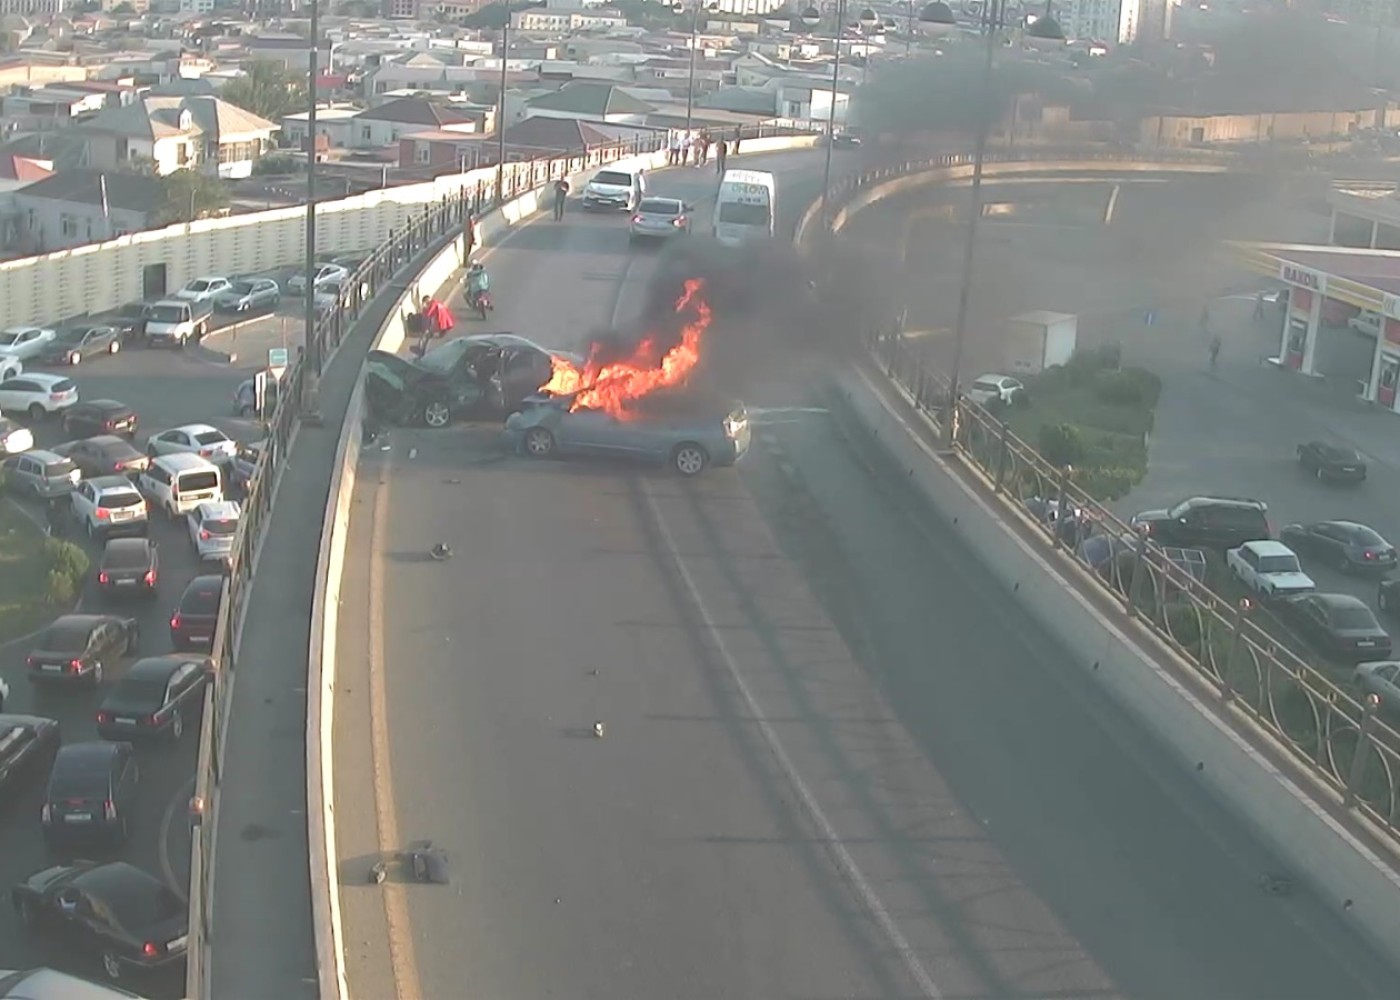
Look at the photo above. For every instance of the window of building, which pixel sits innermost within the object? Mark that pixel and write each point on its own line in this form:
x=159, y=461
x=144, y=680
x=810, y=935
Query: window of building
x=422, y=152
x=366, y=133
x=68, y=226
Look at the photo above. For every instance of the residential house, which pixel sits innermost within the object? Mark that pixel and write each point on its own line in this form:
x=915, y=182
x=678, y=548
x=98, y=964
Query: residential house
x=16, y=172
x=77, y=207
x=563, y=21
x=386, y=124
x=49, y=107
x=336, y=124
x=594, y=102
x=292, y=52
x=27, y=72
x=437, y=153
x=175, y=133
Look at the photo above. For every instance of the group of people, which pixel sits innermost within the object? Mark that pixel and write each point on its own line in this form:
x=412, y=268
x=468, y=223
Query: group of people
x=432, y=320
x=687, y=149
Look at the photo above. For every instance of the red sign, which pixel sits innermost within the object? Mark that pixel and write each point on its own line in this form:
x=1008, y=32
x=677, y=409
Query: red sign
x=1301, y=299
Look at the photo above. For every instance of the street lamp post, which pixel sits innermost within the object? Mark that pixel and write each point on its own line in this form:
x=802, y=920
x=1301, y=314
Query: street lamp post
x=811, y=17
x=501, y=112
x=869, y=21
x=311, y=372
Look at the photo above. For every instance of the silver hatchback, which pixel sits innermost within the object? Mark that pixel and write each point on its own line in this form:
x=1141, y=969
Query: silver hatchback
x=660, y=219
x=41, y=474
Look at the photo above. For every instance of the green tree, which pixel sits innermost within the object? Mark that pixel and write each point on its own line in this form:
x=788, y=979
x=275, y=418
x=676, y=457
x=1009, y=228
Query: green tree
x=494, y=15
x=191, y=195
x=267, y=89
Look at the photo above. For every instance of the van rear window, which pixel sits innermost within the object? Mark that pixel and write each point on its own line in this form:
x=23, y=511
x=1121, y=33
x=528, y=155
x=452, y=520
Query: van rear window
x=119, y=500
x=60, y=469
x=195, y=481
x=739, y=214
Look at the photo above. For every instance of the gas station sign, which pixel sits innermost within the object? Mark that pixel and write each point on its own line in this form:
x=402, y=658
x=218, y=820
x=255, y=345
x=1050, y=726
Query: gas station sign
x=1302, y=277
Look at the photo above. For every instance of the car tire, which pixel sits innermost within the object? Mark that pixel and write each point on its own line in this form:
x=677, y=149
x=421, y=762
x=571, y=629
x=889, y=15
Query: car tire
x=538, y=442
x=114, y=347
x=110, y=966
x=36, y=412
x=437, y=413
x=180, y=343
x=177, y=727
x=689, y=459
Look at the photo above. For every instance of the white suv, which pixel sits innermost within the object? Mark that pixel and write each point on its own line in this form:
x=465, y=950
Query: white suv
x=213, y=525
x=38, y=394
x=109, y=505
x=986, y=388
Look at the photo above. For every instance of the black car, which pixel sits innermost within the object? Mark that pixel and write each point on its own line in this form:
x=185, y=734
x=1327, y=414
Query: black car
x=475, y=377
x=92, y=791
x=132, y=921
x=192, y=623
x=129, y=567
x=129, y=319
x=1206, y=523
x=27, y=745
x=1332, y=462
x=100, y=416
x=71, y=345
x=1347, y=545
x=154, y=697
x=1338, y=626
x=104, y=455
x=76, y=648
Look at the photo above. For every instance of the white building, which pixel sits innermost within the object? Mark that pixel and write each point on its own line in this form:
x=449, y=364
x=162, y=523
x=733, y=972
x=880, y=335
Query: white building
x=196, y=6
x=557, y=21
x=1114, y=21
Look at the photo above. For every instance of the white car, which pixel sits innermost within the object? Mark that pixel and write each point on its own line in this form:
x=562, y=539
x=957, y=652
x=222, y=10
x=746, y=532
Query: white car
x=109, y=505
x=296, y=284
x=25, y=342
x=10, y=366
x=1269, y=569
x=212, y=529
x=198, y=439
x=203, y=289
x=986, y=388
x=37, y=394
x=14, y=438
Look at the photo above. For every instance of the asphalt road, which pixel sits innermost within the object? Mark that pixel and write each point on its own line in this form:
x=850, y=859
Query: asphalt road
x=167, y=389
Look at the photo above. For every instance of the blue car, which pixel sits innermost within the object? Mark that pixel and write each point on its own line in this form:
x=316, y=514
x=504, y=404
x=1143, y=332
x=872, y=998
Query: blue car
x=688, y=435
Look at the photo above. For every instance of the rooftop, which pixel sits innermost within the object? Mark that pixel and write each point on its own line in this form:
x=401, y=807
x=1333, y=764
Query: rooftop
x=134, y=192
x=586, y=98
x=416, y=111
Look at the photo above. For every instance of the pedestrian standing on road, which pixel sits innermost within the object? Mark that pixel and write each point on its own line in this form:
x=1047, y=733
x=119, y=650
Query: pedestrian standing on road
x=686, y=143
x=738, y=134
x=704, y=150
x=673, y=155
x=561, y=194
x=1259, y=306
x=1214, y=351
x=721, y=151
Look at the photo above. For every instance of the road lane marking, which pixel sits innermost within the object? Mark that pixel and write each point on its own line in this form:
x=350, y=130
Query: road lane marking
x=402, y=957
x=844, y=861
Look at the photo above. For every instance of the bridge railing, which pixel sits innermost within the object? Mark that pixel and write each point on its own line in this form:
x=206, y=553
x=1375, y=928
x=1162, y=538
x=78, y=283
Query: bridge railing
x=1335, y=733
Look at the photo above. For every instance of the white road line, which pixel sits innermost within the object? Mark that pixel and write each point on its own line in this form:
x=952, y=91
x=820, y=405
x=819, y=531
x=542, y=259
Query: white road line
x=841, y=855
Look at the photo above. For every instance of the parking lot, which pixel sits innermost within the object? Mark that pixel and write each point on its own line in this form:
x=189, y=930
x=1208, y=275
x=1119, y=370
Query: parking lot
x=166, y=388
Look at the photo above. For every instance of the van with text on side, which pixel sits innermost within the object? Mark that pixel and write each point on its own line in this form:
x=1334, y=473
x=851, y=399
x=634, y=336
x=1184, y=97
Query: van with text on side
x=746, y=207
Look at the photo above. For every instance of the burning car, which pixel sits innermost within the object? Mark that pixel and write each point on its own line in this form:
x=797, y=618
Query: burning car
x=473, y=377
x=687, y=433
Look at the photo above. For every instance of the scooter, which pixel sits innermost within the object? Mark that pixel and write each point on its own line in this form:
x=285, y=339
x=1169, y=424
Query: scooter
x=481, y=302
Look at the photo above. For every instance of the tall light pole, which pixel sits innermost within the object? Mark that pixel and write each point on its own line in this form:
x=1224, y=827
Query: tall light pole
x=501, y=112
x=698, y=7
x=811, y=17
x=869, y=21
x=312, y=350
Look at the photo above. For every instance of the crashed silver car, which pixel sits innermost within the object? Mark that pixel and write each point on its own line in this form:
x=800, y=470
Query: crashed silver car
x=686, y=434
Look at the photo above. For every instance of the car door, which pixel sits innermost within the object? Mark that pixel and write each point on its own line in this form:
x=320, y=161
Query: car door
x=172, y=441
x=1387, y=685
x=84, y=499
x=17, y=394
x=524, y=371
x=583, y=432
x=1327, y=540
x=102, y=642
x=27, y=343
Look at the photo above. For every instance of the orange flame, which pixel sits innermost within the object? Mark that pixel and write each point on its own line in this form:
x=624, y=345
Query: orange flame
x=611, y=386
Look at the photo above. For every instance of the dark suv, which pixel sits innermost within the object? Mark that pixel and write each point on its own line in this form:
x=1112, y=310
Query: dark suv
x=1207, y=523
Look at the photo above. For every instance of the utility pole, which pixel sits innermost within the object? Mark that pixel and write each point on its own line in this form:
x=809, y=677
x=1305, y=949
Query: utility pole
x=501, y=113
x=311, y=356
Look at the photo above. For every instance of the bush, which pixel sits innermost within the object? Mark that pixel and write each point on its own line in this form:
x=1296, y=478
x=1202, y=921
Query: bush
x=1107, y=483
x=1135, y=387
x=59, y=588
x=67, y=559
x=1184, y=625
x=279, y=163
x=1061, y=444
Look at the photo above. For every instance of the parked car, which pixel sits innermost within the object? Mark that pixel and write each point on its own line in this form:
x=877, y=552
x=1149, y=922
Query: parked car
x=71, y=345
x=686, y=435
x=104, y=455
x=100, y=416
x=14, y=438
x=127, y=318
x=1388, y=596
x=50, y=984
x=660, y=219
x=244, y=466
x=27, y=747
x=25, y=342
x=92, y=791
x=246, y=402
x=1346, y=545
x=129, y=567
x=41, y=474
x=1207, y=523
x=1338, y=626
x=76, y=648
x=616, y=189
x=212, y=530
x=10, y=366
x=110, y=505
x=995, y=389
x=204, y=290
x=38, y=394
x=249, y=295
x=200, y=439
x=296, y=284
x=471, y=377
x=196, y=614
x=176, y=323
x=132, y=921
x=1382, y=679
x=1269, y=569
x=1332, y=462
x=153, y=698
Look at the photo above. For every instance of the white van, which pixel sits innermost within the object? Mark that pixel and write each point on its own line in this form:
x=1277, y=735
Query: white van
x=175, y=323
x=746, y=207
x=179, y=482
x=616, y=188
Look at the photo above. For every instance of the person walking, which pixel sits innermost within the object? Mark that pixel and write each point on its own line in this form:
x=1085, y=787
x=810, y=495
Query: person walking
x=469, y=234
x=721, y=151
x=738, y=134
x=1214, y=351
x=561, y=195
x=673, y=157
x=1259, y=307
x=687, y=143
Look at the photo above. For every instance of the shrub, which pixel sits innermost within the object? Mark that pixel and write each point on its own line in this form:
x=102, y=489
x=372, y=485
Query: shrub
x=59, y=588
x=279, y=163
x=1061, y=444
x=1184, y=625
x=1106, y=483
x=1110, y=356
x=1135, y=387
x=66, y=558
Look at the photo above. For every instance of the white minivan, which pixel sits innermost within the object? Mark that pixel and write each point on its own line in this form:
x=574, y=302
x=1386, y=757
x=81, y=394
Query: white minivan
x=179, y=482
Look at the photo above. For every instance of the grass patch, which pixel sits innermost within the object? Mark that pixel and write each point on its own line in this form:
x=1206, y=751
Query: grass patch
x=39, y=576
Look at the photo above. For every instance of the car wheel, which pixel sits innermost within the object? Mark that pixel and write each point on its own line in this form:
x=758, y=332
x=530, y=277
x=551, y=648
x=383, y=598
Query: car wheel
x=111, y=966
x=539, y=442
x=114, y=347
x=689, y=459
x=36, y=412
x=437, y=413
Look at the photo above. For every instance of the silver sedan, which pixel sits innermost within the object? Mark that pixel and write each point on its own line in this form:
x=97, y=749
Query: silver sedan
x=249, y=295
x=660, y=219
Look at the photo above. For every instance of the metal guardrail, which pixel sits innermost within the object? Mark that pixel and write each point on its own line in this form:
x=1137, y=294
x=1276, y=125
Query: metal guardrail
x=373, y=276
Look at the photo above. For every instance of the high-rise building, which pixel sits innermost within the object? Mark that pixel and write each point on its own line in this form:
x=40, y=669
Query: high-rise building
x=1114, y=21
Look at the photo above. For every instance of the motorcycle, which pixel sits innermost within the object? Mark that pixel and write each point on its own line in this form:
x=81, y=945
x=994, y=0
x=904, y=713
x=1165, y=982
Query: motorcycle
x=481, y=302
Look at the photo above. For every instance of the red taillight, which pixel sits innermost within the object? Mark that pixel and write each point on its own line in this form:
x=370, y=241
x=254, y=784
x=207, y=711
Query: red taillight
x=102, y=513
x=29, y=661
x=109, y=425
x=75, y=666
x=204, y=535
x=56, y=396
x=150, y=578
x=175, y=620
x=103, y=578
x=109, y=809
x=149, y=720
x=636, y=218
x=150, y=949
x=103, y=718
x=679, y=222
x=1370, y=554
x=205, y=452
